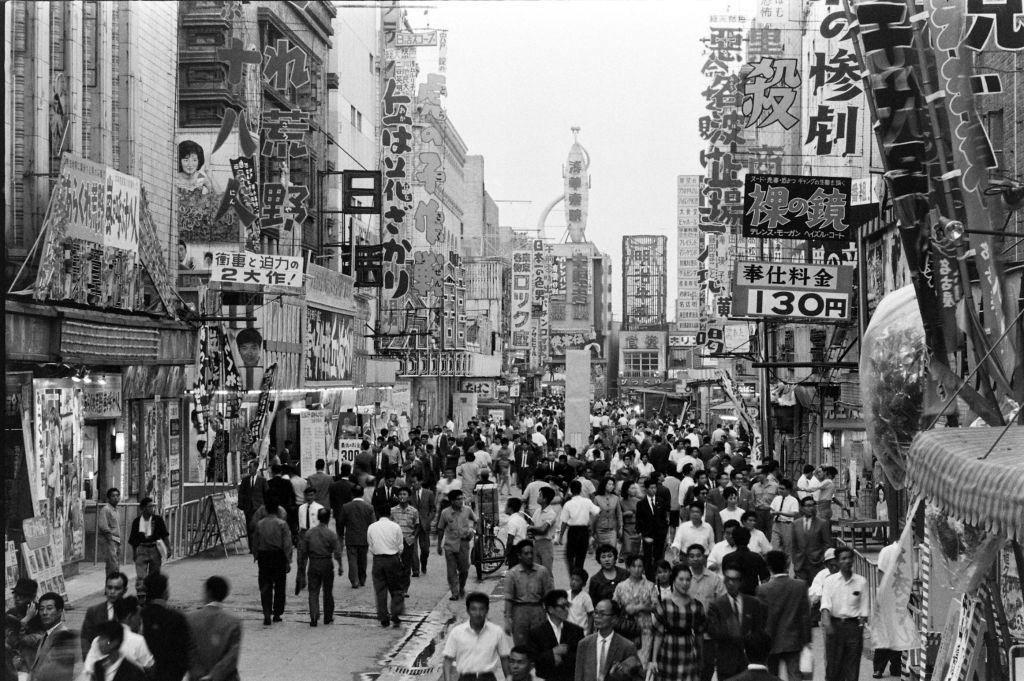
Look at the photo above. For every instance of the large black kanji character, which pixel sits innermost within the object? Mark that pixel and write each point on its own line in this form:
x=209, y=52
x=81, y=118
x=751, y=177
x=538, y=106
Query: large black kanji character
x=1005, y=17
x=392, y=99
x=396, y=140
x=285, y=133
x=396, y=190
x=283, y=66
x=237, y=57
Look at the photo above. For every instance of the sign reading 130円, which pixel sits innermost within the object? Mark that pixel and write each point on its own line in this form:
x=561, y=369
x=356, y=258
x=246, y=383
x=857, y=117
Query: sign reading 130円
x=782, y=289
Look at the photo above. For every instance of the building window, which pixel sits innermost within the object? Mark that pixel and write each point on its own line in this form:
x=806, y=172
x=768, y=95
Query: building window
x=352, y=115
x=359, y=121
x=371, y=63
x=644, y=362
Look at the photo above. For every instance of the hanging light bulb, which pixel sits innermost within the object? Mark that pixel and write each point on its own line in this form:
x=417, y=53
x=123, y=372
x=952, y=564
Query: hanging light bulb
x=77, y=376
x=86, y=378
x=102, y=380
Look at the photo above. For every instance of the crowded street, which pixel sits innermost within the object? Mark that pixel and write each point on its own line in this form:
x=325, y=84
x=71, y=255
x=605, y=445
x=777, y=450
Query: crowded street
x=513, y=340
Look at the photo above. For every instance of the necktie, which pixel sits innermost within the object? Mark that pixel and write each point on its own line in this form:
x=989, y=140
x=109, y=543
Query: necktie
x=736, y=607
x=99, y=671
x=307, y=516
x=602, y=653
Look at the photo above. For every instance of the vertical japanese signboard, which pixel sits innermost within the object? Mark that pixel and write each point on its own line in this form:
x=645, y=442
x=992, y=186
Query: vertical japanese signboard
x=522, y=299
x=643, y=280
x=577, y=190
x=688, y=295
x=541, y=288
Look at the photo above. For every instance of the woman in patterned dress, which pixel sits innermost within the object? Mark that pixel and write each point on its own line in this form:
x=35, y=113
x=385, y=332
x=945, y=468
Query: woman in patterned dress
x=609, y=522
x=637, y=597
x=631, y=494
x=678, y=632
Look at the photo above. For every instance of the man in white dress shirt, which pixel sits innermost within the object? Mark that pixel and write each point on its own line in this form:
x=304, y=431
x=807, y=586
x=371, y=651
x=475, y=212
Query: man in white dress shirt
x=386, y=543
x=844, y=611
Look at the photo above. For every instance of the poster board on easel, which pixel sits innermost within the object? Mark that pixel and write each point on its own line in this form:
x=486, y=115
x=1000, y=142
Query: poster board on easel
x=42, y=563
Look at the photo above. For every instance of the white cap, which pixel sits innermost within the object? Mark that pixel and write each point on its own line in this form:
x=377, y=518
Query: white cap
x=830, y=554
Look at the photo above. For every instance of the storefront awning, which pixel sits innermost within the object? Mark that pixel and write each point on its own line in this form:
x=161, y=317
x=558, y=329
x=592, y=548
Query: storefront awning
x=944, y=465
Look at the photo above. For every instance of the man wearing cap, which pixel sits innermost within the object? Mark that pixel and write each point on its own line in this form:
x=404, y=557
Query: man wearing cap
x=148, y=530
x=23, y=628
x=814, y=590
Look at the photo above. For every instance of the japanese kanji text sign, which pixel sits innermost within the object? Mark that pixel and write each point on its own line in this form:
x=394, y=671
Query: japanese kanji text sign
x=796, y=207
x=257, y=268
x=787, y=289
x=522, y=300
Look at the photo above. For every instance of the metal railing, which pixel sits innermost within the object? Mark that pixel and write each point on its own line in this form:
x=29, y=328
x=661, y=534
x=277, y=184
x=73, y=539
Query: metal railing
x=186, y=524
x=869, y=571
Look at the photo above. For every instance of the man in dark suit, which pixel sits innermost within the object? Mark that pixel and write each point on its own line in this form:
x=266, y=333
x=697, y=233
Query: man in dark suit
x=750, y=564
x=320, y=482
x=167, y=632
x=811, y=536
x=57, y=653
x=351, y=524
x=731, y=619
x=424, y=501
x=284, y=493
x=114, y=590
x=652, y=525
x=604, y=647
x=218, y=635
x=788, y=623
x=756, y=647
x=250, y=494
x=658, y=455
x=523, y=462
x=385, y=494
x=148, y=530
x=339, y=492
x=111, y=636
x=553, y=642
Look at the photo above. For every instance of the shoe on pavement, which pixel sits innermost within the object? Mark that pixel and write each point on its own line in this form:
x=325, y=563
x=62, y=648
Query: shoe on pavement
x=385, y=622
x=277, y=618
x=395, y=622
x=312, y=623
x=328, y=620
x=266, y=621
x=453, y=598
x=876, y=675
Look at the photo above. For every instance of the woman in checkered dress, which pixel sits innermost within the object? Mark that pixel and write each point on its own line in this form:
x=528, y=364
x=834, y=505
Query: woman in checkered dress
x=678, y=632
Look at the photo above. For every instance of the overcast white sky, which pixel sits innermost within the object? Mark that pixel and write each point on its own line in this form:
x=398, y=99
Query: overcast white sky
x=521, y=74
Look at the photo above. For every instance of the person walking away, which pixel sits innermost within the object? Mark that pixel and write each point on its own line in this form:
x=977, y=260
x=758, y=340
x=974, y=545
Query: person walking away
x=251, y=490
x=844, y=611
x=114, y=589
x=133, y=645
x=321, y=545
x=604, y=650
x=882, y=656
x=424, y=502
x=321, y=483
x=578, y=516
x=167, y=632
x=108, y=527
x=652, y=526
x=731, y=620
x=543, y=530
x=455, y=530
x=385, y=540
x=581, y=607
x=408, y=519
x=705, y=587
x=356, y=517
x=631, y=495
x=475, y=650
x=750, y=564
x=281, y=489
x=339, y=493
x=756, y=647
x=307, y=520
x=274, y=561
x=785, y=508
x=218, y=635
x=148, y=531
x=788, y=622
x=517, y=529
x=111, y=663
x=679, y=623
x=57, y=653
x=525, y=586
x=811, y=536
x=553, y=642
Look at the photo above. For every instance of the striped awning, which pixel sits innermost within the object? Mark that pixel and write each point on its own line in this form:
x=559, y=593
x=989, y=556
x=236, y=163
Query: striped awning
x=944, y=466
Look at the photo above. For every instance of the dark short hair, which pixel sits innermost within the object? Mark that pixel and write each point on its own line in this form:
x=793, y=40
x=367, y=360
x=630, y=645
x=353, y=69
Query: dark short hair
x=357, y=491
x=112, y=490
x=145, y=501
x=522, y=650
x=677, y=568
x=731, y=524
x=478, y=597
x=632, y=558
x=552, y=597
x=323, y=515
x=580, y=572
x=804, y=500
x=749, y=515
x=757, y=645
x=606, y=548
x=116, y=574
x=187, y=147
x=514, y=503
x=320, y=463
x=741, y=536
x=730, y=492
x=217, y=588
x=777, y=561
x=111, y=629
x=57, y=599
x=524, y=544
x=547, y=493
x=155, y=584
x=454, y=495
x=839, y=551
x=123, y=607
x=696, y=547
x=699, y=505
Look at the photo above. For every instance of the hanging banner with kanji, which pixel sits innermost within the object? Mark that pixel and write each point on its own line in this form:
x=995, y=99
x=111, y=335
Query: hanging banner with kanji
x=796, y=207
x=257, y=268
x=522, y=303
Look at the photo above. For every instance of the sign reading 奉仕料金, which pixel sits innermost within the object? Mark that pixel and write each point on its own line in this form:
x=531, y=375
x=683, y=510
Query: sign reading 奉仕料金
x=787, y=289
x=796, y=207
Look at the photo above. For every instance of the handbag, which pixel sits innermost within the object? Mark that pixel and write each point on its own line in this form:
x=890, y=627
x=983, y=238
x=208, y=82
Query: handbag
x=629, y=669
x=806, y=660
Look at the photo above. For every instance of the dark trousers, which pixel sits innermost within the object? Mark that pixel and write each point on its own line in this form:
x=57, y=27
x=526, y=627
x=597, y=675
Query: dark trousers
x=387, y=579
x=883, y=656
x=792, y=661
x=707, y=660
x=457, y=565
x=300, y=563
x=423, y=540
x=408, y=560
x=273, y=568
x=653, y=552
x=576, y=546
x=843, y=648
x=730, y=659
x=356, y=564
x=321, y=575
x=524, y=476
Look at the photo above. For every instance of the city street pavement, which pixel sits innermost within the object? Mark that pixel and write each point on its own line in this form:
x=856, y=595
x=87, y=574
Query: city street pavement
x=355, y=646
